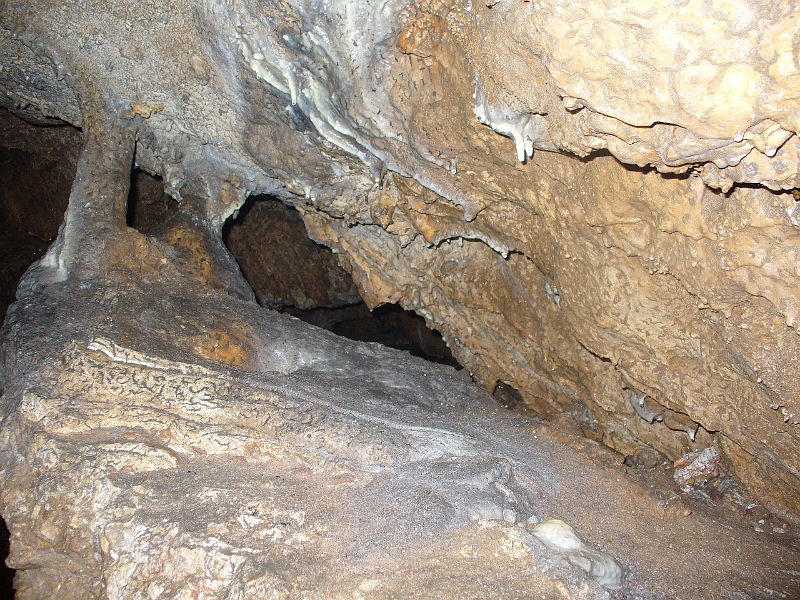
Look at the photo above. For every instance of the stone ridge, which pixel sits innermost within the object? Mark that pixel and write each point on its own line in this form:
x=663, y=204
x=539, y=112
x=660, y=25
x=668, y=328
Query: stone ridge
x=129, y=474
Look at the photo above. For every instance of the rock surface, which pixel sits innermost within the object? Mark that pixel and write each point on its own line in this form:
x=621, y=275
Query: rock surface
x=624, y=265
x=267, y=458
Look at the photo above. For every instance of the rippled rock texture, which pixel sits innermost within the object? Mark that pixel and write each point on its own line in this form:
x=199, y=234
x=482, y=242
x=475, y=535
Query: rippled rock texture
x=593, y=201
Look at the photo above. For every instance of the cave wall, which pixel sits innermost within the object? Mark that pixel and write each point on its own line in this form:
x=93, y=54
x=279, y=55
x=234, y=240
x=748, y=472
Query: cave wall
x=592, y=202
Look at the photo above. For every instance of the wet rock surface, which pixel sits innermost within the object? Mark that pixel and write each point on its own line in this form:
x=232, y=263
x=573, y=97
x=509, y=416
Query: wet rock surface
x=595, y=204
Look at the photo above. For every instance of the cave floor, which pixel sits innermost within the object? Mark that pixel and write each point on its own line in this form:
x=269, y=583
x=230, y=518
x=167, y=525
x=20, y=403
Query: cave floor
x=162, y=444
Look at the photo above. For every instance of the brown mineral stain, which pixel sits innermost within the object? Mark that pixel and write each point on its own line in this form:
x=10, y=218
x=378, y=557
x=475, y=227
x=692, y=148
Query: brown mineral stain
x=226, y=347
x=133, y=252
x=143, y=110
x=192, y=249
x=422, y=36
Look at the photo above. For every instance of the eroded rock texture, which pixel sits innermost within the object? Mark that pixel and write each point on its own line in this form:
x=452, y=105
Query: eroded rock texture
x=164, y=438
x=593, y=202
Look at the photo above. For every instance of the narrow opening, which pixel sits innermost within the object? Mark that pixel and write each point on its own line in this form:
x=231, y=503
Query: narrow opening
x=508, y=396
x=37, y=167
x=389, y=325
x=148, y=204
x=6, y=573
x=291, y=273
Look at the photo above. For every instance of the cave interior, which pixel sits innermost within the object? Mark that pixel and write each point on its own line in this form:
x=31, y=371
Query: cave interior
x=302, y=303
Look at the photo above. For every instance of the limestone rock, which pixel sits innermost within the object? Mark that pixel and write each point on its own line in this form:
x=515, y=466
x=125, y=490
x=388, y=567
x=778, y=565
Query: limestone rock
x=292, y=462
x=608, y=248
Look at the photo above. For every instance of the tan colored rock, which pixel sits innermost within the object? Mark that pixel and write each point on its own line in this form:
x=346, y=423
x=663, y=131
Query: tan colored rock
x=322, y=467
x=650, y=299
x=623, y=257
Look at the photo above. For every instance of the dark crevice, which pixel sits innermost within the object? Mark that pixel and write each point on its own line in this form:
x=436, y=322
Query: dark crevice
x=6, y=573
x=508, y=396
x=37, y=166
x=388, y=325
x=148, y=204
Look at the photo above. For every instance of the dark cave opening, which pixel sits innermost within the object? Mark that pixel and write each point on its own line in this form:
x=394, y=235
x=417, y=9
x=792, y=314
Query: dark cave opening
x=291, y=273
x=20, y=244
x=37, y=168
x=148, y=204
x=288, y=271
x=389, y=325
x=6, y=573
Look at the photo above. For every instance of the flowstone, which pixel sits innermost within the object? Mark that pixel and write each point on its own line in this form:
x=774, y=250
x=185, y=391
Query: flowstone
x=588, y=200
x=632, y=249
x=332, y=464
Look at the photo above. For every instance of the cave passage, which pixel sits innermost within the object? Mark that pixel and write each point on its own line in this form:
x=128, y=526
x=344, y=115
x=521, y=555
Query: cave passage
x=599, y=212
x=288, y=271
x=37, y=167
x=291, y=273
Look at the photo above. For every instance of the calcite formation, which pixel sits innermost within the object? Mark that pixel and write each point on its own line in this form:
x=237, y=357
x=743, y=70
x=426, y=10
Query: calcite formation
x=594, y=202
x=171, y=440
